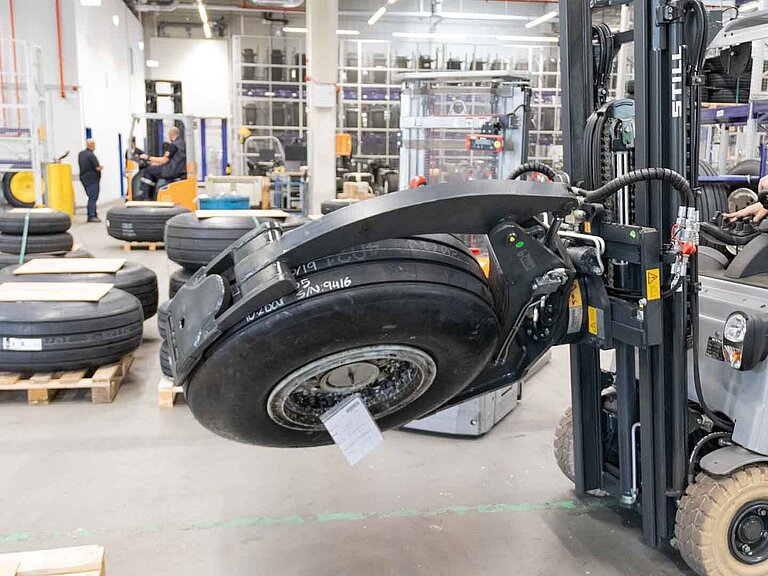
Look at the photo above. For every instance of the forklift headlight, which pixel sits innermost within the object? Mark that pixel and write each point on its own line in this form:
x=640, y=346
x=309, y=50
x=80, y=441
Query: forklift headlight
x=744, y=340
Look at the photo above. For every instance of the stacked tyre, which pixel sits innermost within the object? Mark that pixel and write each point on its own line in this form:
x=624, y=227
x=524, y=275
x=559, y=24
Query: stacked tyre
x=140, y=223
x=39, y=337
x=35, y=233
x=135, y=279
x=193, y=242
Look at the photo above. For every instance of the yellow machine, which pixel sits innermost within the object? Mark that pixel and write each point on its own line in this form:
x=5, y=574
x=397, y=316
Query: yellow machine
x=182, y=192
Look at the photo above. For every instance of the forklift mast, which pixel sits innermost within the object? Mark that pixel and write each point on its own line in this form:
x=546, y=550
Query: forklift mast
x=650, y=375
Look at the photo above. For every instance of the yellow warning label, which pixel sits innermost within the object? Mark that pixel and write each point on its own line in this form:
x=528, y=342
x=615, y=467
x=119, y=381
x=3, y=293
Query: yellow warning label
x=592, y=317
x=575, y=300
x=653, y=284
x=588, y=227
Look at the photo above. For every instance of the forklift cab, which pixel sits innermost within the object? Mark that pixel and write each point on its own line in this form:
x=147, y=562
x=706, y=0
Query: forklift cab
x=147, y=134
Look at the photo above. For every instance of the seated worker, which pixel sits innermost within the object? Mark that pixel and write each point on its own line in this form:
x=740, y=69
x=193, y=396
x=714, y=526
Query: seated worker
x=170, y=166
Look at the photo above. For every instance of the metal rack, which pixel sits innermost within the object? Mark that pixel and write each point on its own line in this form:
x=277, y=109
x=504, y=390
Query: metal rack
x=23, y=143
x=269, y=94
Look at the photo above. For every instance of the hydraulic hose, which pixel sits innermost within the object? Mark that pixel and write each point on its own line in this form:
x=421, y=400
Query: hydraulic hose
x=643, y=175
x=530, y=167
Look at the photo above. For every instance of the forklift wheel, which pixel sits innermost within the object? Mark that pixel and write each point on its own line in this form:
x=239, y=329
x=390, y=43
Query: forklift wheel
x=722, y=524
x=564, y=445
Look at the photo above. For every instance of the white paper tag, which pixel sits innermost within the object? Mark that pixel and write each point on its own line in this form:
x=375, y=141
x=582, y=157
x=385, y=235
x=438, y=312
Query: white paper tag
x=352, y=428
x=23, y=344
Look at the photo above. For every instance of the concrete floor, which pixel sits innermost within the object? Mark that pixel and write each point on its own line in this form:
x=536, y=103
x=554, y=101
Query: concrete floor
x=166, y=497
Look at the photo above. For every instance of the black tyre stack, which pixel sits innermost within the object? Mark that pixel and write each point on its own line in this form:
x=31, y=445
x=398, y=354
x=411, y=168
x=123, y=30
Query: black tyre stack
x=193, y=242
x=41, y=337
x=140, y=223
x=133, y=278
x=46, y=235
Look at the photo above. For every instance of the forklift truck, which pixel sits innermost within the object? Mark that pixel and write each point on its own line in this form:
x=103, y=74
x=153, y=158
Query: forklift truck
x=378, y=300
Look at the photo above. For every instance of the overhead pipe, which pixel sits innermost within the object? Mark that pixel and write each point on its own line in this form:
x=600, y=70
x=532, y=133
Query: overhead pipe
x=15, y=63
x=62, y=91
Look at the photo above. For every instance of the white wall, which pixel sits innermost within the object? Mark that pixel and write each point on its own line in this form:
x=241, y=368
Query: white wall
x=100, y=91
x=112, y=83
x=203, y=68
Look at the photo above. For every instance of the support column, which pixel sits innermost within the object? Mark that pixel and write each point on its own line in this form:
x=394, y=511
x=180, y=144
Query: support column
x=322, y=70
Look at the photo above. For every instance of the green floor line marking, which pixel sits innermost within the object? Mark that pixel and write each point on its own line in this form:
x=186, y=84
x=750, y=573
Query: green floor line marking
x=295, y=520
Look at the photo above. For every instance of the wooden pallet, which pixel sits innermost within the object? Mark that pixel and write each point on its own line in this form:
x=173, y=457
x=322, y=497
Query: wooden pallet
x=76, y=561
x=41, y=387
x=151, y=246
x=167, y=392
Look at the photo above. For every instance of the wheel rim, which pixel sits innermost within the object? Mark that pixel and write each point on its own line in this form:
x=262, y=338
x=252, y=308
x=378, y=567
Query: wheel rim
x=387, y=377
x=748, y=533
x=22, y=187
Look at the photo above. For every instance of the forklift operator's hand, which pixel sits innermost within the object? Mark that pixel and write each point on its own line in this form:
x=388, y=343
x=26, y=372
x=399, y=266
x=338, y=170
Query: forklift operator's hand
x=756, y=211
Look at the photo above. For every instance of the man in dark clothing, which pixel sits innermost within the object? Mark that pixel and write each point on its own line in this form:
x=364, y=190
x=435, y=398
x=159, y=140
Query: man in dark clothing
x=90, y=176
x=170, y=166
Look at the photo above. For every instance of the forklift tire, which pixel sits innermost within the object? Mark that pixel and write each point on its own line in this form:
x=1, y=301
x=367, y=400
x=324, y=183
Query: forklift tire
x=61, y=242
x=193, y=242
x=37, y=337
x=418, y=325
x=11, y=259
x=178, y=279
x=563, y=444
x=140, y=223
x=40, y=222
x=17, y=190
x=721, y=525
x=332, y=205
x=133, y=278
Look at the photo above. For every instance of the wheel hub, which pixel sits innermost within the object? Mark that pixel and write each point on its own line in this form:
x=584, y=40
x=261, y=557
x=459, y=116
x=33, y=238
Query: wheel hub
x=387, y=378
x=748, y=533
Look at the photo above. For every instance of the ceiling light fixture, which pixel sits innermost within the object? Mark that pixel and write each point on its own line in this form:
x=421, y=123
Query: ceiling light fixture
x=207, y=30
x=376, y=15
x=541, y=19
x=116, y=20
x=141, y=45
x=152, y=63
x=348, y=32
x=294, y=30
x=90, y=2
x=529, y=39
x=474, y=16
x=203, y=13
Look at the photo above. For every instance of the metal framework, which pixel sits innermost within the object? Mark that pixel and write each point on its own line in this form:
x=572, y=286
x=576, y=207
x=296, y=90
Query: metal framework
x=651, y=390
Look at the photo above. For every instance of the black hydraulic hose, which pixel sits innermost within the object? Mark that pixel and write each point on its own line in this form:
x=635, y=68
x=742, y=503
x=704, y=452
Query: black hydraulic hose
x=643, y=175
x=530, y=167
x=699, y=445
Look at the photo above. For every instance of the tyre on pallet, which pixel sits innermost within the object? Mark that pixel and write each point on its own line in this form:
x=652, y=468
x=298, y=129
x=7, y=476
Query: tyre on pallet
x=19, y=188
x=193, y=242
x=133, y=278
x=721, y=526
x=162, y=319
x=40, y=221
x=178, y=279
x=165, y=360
x=563, y=445
x=419, y=324
x=12, y=244
x=140, y=223
x=332, y=205
x=51, y=337
x=748, y=167
x=11, y=259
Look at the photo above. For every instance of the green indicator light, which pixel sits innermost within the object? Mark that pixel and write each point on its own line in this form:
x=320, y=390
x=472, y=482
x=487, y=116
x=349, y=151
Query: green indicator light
x=632, y=234
x=520, y=244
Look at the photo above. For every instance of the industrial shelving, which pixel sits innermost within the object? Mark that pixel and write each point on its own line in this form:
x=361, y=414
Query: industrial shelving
x=269, y=94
